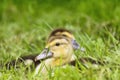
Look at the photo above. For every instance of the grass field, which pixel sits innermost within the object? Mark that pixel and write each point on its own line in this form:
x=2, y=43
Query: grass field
x=25, y=25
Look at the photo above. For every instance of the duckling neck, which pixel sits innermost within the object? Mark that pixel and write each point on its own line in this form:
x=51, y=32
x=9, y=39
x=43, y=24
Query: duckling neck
x=60, y=61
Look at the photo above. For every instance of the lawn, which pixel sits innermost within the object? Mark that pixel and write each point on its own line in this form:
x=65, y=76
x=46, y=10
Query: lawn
x=25, y=25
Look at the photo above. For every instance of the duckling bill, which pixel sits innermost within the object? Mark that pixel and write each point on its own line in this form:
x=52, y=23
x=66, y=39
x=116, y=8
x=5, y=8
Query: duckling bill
x=44, y=54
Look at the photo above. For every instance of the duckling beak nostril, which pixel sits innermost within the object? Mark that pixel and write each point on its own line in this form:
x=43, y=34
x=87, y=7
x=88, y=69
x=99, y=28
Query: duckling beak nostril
x=44, y=54
x=75, y=44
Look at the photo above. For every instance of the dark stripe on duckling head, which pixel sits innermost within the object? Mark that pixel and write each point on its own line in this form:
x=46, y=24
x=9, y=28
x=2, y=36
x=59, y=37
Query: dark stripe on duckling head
x=51, y=39
x=54, y=33
x=61, y=32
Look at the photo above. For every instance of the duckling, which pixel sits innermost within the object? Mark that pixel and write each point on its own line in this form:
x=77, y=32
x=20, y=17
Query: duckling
x=60, y=52
x=30, y=59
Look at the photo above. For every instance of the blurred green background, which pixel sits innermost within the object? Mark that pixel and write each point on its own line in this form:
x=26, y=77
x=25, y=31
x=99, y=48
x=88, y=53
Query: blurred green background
x=89, y=15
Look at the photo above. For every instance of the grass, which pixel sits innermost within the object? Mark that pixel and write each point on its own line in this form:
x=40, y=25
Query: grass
x=25, y=25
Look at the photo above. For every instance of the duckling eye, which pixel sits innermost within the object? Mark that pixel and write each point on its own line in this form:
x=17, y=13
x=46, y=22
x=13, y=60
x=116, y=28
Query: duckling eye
x=57, y=44
x=63, y=35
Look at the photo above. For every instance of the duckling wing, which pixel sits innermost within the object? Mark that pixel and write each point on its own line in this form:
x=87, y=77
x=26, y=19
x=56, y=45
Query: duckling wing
x=85, y=61
x=25, y=60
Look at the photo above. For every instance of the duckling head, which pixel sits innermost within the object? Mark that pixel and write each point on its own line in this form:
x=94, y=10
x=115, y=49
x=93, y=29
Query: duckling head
x=59, y=47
